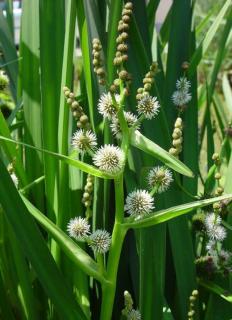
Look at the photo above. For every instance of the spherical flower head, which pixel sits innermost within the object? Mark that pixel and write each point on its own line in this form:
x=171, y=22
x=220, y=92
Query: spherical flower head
x=4, y=81
x=211, y=220
x=217, y=233
x=78, y=228
x=134, y=315
x=160, y=177
x=84, y=140
x=109, y=159
x=106, y=106
x=181, y=98
x=139, y=203
x=131, y=120
x=100, y=241
x=148, y=106
x=15, y=179
x=183, y=84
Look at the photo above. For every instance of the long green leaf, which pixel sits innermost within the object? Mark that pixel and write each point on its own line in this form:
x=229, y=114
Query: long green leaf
x=171, y=213
x=71, y=249
x=35, y=248
x=76, y=163
x=141, y=142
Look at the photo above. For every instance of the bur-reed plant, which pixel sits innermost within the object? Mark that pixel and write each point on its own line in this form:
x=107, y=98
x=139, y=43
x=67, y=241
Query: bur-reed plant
x=115, y=181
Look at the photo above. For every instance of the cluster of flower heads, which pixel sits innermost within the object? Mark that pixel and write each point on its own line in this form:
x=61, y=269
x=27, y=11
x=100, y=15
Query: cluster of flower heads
x=79, y=229
x=140, y=202
x=216, y=259
x=108, y=106
x=182, y=96
x=219, y=259
x=129, y=312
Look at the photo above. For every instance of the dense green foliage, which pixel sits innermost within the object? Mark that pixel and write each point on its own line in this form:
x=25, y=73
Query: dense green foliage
x=162, y=258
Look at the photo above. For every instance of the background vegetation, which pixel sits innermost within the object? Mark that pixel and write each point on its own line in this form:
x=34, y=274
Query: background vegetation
x=43, y=273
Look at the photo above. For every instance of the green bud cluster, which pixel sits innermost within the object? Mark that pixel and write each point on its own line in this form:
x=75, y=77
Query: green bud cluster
x=77, y=111
x=147, y=81
x=87, y=195
x=177, y=138
x=192, y=302
x=4, y=81
x=123, y=26
x=219, y=190
x=97, y=61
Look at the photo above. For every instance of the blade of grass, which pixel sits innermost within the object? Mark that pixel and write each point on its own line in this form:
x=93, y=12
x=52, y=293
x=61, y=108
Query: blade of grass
x=171, y=213
x=201, y=50
x=71, y=249
x=69, y=160
x=30, y=86
x=141, y=142
x=50, y=77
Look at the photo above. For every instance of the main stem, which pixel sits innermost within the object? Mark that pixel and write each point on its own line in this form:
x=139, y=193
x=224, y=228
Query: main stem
x=118, y=235
x=108, y=289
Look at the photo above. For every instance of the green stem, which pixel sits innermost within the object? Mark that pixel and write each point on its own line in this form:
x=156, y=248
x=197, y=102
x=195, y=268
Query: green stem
x=32, y=184
x=108, y=289
x=118, y=235
x=119, y=199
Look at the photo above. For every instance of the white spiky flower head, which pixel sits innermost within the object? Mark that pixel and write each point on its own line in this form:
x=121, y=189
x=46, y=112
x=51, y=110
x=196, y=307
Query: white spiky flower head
x=139, y=203
x=217, y=233
x=131, y=120
x=160, y=177
x=134, y=315
x=213, y=228
x=148, y=106
x=100, y=241
x=180, y=98
x=15, y=179
x=83, y=140
x=183, y=84
x=106, y=106
x=211, y=220
x=78, y=228
x=109, y=158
